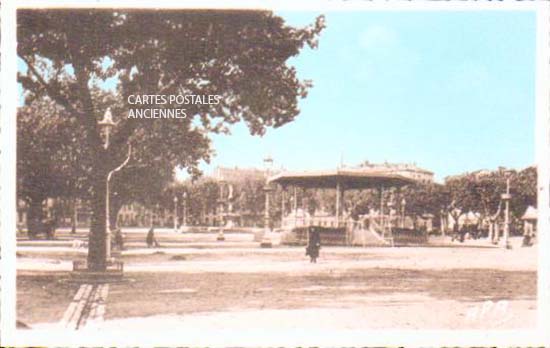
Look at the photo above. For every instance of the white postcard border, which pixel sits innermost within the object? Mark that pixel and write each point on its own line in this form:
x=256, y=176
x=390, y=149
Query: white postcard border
x=180, y=336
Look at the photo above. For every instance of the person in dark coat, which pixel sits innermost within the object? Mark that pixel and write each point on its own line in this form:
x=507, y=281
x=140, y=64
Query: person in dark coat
x=150, y=239
x=314, y=244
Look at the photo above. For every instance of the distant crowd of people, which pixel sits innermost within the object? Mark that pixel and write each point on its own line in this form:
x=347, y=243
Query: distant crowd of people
x=472, y=231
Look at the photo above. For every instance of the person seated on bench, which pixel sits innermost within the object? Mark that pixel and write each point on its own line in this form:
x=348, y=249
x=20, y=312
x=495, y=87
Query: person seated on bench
x=119, y=239
x=150, y=239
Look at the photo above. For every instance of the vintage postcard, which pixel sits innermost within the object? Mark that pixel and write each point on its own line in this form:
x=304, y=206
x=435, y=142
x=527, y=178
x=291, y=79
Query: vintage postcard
x=326, y=173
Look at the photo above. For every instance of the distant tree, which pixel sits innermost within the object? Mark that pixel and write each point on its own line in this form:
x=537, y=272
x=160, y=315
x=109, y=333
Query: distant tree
x=482, y=193
x=239, y=55
x=250, y=198
x=48, y=158
x=52, y=161
x=202, y=198
x=524, y=190
x=359, y=202
x=463, y=197
x=488, y=189
x=426, y=198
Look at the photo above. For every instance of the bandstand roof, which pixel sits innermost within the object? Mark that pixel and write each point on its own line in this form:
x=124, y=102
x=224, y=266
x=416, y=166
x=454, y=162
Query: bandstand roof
x=350, y=178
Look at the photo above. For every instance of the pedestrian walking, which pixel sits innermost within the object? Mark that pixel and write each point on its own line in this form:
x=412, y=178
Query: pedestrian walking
x=314, y=244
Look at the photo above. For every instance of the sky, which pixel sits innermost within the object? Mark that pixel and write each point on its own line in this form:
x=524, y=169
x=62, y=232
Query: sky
x=450, y=91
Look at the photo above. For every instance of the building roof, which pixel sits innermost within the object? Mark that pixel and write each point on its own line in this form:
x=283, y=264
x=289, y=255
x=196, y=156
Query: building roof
x=412, y=167
x=350, y=178
x=236, y=174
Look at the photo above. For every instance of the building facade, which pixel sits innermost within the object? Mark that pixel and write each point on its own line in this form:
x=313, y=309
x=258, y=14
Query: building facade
x=408, y=170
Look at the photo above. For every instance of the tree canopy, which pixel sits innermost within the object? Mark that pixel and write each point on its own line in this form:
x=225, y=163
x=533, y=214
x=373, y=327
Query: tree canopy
x=238, y=55
x=481, y=192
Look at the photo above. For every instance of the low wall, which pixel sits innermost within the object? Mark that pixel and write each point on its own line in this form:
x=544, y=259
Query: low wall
x=405, y=236
x=329, y=236
x=337, y=236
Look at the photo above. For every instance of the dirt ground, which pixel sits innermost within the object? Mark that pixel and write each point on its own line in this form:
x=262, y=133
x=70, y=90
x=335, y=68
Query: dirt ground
x=379, y=290
x=249, y=287
x=42, y=297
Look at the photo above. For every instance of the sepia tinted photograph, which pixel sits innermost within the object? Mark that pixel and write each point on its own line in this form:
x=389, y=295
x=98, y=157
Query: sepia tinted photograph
x=259, y=169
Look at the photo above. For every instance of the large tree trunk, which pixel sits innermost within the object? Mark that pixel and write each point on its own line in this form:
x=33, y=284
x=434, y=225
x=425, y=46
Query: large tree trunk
x=100, y=157
x=97, y=238
x=35, y=217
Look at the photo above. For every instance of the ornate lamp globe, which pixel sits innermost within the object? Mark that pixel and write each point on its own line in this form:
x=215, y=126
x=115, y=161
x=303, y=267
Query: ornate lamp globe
x=106, y=125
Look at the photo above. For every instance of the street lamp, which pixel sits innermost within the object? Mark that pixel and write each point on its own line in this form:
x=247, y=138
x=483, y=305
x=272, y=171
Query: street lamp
x=266, y=241
x=106, y=124
x=184, y=222
x=108, y=226
x=175, y=213
x=506, y=197
x=221, y=211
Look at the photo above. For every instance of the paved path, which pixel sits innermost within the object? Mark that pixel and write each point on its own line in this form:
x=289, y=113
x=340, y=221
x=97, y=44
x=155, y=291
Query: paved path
x=291, y=260
x=87, y=308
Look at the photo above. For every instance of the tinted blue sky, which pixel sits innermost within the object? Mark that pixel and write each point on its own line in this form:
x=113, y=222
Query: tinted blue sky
x=451, y=91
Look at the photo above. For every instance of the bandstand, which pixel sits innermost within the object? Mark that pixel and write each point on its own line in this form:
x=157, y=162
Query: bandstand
x=375, y=228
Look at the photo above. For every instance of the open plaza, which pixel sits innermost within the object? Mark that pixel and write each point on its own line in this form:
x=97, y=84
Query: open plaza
x=334, y=249
x=192, y=279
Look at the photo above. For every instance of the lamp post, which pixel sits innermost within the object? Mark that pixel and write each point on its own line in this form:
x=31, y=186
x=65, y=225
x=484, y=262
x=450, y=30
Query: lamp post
x=506, y=198
x=266, y=241
x=107, y=124
x=184, y=222
x=175, y=213
x=221, y=211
